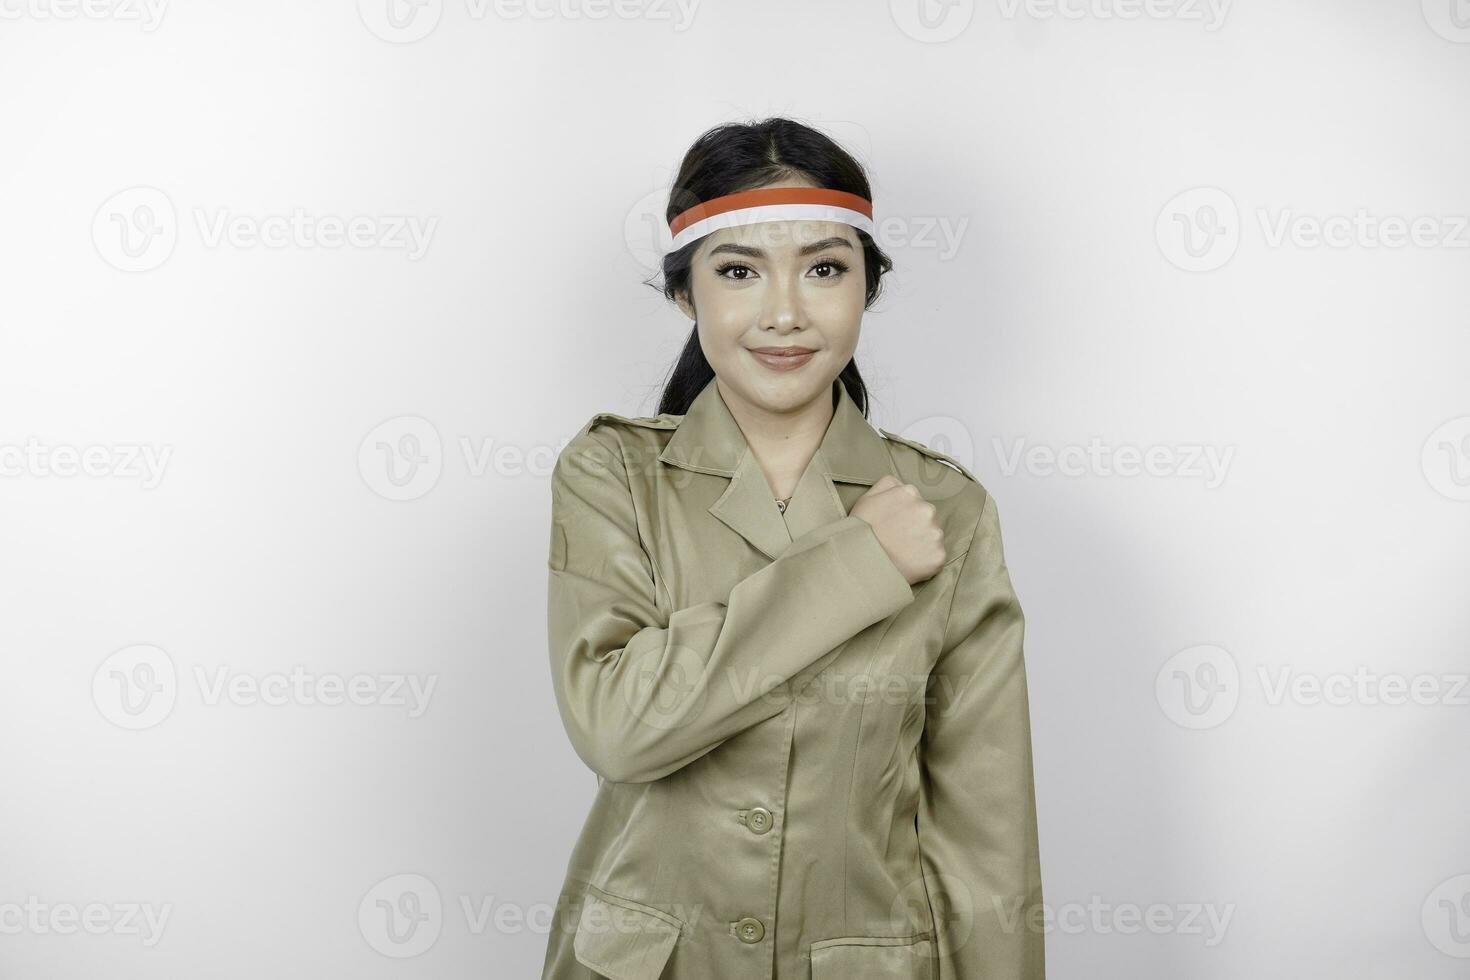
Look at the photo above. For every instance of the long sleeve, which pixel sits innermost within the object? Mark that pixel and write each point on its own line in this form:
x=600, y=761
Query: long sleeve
x=977, y=814
x=641, y=693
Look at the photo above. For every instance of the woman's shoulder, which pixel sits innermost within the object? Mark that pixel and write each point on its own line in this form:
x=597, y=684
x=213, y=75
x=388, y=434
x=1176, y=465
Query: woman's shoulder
x=610, y=440
x=661, y=421
x=932, y=470
x=612, y=428
x=945, y=482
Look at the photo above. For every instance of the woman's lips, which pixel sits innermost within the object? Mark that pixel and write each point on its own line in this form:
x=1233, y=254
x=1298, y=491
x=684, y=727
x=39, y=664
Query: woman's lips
x=772, y=357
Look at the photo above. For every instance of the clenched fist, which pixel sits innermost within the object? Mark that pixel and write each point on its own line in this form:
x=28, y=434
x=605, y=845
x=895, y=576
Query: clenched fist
x=906, y=527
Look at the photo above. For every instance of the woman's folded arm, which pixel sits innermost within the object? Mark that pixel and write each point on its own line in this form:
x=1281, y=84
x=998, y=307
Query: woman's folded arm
x=642, y=694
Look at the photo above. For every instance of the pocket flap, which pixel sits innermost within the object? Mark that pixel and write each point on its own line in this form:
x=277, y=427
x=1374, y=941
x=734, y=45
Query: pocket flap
x=874, y=958
x=622, y=939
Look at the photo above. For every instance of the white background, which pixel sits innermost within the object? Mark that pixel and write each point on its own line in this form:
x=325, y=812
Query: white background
x=1038, y=167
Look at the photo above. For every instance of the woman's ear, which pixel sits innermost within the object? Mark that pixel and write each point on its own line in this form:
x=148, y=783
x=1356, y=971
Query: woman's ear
x=685, y=303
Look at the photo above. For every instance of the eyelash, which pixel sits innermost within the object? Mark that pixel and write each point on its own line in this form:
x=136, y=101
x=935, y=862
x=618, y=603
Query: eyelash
x=837, y=264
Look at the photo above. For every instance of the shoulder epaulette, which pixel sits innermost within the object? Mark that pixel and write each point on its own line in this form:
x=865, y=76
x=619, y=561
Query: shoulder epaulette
x=646, y=421
x=927, y=451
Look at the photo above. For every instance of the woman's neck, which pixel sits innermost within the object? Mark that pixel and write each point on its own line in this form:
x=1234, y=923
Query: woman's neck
x=782, y=442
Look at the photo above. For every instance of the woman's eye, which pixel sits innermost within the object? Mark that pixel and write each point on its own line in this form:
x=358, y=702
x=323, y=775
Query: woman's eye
x=837, y=268
x=720, y=271
x=832, y=266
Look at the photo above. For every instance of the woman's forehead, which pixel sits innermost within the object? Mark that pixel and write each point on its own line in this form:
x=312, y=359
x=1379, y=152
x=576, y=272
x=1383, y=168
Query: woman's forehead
x=778, y=238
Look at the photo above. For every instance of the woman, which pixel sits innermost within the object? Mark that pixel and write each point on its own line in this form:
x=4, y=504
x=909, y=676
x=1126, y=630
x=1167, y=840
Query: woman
x=785, y=641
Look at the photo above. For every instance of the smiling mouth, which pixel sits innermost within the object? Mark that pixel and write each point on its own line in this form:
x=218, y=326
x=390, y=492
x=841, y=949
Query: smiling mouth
x=782, y=358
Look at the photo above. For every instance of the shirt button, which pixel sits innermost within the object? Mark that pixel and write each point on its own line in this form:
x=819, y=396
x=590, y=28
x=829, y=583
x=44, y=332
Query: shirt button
x=758, y=820
x=750, y=930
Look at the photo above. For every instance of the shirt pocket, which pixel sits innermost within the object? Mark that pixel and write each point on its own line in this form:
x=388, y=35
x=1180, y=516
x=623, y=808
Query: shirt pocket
x=622, y=939
x=874, y=958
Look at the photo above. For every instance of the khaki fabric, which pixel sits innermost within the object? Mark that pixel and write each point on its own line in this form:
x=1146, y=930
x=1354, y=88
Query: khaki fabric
x=806, y=767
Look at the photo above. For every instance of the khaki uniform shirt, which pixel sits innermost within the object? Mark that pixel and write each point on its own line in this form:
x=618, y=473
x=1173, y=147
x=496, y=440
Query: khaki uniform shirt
x=807, y=768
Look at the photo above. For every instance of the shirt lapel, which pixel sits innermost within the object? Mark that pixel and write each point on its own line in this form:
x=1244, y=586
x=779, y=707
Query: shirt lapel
x=709, y=440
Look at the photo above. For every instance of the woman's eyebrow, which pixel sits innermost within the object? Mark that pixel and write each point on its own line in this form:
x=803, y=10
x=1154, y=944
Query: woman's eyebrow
x=756, y=253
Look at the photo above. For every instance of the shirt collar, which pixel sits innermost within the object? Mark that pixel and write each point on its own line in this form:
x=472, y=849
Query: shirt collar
x=709, y=440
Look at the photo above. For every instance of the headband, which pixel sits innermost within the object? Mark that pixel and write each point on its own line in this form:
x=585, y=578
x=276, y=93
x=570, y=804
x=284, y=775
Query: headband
x=771, y=204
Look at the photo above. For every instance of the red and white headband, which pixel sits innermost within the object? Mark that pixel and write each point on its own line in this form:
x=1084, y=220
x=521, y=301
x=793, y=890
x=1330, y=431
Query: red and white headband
x=771, y=204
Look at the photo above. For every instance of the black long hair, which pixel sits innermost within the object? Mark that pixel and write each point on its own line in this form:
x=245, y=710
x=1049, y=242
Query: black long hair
x=738, y=157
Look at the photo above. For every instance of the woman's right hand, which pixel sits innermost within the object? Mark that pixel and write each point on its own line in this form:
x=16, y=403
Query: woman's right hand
x=906, y=527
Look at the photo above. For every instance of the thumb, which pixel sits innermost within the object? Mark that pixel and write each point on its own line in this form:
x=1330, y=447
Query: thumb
x=885, y=482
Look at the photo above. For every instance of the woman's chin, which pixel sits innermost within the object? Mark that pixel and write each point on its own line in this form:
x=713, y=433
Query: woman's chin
x=787, y=391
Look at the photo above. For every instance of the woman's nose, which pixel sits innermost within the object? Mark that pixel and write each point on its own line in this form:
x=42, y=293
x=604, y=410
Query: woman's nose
x=782, y=305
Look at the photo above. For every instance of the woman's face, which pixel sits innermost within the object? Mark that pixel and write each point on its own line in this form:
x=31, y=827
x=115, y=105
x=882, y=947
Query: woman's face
x=778, y=286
